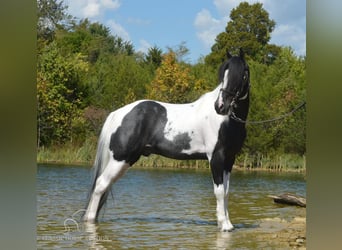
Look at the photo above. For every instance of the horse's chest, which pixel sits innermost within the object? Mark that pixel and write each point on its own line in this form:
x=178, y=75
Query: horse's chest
x=231, y=136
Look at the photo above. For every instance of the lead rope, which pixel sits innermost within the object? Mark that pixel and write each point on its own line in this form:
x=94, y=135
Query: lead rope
x=234, y=117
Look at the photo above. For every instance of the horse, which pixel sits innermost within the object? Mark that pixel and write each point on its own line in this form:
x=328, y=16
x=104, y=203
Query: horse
x=204, y=129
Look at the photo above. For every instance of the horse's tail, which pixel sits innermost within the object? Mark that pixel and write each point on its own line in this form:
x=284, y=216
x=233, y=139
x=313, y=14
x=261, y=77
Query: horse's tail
x=101, y=160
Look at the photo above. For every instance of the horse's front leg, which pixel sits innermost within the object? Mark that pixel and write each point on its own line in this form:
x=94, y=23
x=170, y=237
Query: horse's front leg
x=221, y=192
x=221, y=176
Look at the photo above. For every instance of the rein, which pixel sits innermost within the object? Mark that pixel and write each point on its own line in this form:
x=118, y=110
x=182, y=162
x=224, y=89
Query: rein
x=235, y=118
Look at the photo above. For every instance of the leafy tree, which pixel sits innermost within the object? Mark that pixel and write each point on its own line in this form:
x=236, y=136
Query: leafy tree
x=59, y=95
x=116, y=80
x=173, y=81
x=277, y=89
x=288, y=71
x=249, y=28
x=50, y=14
x=206, y=78
x=95, y=118
x=180, y=51
x=92, y=39
x=154, y=56
x=76, y=39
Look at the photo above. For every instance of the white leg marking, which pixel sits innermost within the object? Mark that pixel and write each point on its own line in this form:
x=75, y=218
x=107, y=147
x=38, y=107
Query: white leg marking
x=113, y=171
x=226, y=177
x=221, y=193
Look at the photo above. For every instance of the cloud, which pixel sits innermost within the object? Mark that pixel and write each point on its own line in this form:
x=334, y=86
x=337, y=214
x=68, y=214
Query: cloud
x=144, y=46
x=225, y=6
x=290, y=29
x=95, y=10
x=208, y=27
x=290, y=35
x=111, y=4
x=91, y=8
x=117, y=29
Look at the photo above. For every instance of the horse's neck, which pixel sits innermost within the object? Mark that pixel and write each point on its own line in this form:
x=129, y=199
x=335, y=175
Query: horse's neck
x=207, y=100
x=212, y=95
x=216, y=91
x=206, y=108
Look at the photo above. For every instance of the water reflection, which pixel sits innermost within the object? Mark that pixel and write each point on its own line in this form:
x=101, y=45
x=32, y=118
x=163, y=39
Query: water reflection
x=159, y=209
x=94, y=239
x=223, y=240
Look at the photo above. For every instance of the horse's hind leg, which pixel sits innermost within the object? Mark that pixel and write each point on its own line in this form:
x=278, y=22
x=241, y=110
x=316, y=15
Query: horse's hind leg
x=112, y=172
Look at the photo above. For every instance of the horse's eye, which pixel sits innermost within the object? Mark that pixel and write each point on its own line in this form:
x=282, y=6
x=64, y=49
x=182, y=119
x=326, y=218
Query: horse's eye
x=245, y=76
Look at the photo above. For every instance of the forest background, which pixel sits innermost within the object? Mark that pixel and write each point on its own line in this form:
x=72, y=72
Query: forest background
x=84, y=73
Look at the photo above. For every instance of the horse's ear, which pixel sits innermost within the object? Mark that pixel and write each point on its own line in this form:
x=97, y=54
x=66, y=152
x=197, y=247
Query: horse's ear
x=242, y=54
x=229, y=55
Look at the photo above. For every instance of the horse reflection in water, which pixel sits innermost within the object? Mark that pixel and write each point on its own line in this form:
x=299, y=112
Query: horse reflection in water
x=203, y=129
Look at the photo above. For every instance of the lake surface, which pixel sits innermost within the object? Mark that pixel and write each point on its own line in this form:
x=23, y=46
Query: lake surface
x=160, y=209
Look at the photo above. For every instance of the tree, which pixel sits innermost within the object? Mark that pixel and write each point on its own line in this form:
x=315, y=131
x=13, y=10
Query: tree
x=115, y=80
x=249, y=28
x=173, y=81
x=50, y=14
x=59, y=95
x=91, y=39
x=288, y=72
x=277, y=89
x=154, y=56
x=180, y=51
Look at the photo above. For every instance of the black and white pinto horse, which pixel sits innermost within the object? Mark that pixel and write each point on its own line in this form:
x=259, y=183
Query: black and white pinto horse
x=203, y=129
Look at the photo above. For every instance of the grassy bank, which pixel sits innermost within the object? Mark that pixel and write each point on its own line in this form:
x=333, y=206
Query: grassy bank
x=68, y=153
x=272, y=162
x=85, y=154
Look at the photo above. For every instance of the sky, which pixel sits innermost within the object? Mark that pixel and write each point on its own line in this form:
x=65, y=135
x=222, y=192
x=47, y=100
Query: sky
x=168, y=23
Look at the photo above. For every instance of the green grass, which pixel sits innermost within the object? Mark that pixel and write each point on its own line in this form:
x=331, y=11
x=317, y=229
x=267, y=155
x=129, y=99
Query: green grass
x=273, y=162
x=85, y=155
x=68, y=153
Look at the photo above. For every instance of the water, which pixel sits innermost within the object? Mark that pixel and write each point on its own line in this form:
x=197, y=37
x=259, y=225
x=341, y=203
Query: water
x=160, y=209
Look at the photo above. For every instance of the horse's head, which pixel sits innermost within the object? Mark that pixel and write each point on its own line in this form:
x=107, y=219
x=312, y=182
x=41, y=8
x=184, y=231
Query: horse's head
x=234, y=80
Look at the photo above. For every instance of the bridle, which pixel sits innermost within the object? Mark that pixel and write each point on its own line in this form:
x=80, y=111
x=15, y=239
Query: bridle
x=236, y=95
x=231, y=93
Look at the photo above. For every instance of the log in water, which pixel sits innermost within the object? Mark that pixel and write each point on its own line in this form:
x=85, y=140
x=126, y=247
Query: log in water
x=289, y=199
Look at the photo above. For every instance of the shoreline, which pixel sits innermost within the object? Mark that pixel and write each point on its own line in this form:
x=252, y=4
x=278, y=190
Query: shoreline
x=84, y=156
x=168, y=167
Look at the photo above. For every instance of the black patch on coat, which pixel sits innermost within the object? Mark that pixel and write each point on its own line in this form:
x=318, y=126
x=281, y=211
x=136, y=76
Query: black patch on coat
x=142, y=133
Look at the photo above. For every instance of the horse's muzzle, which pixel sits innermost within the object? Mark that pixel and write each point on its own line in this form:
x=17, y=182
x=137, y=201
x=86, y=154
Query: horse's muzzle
x=224, y=109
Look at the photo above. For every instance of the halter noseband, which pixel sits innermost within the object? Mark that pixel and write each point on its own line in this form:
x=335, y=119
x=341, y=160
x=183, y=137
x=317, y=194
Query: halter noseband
x=228, y=92
x=236, y=95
